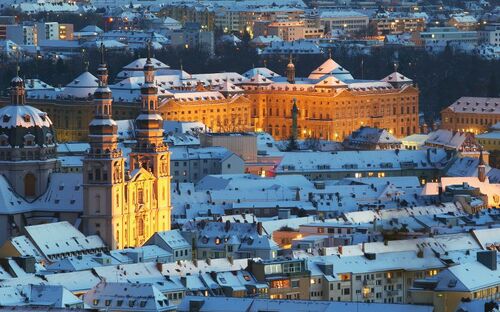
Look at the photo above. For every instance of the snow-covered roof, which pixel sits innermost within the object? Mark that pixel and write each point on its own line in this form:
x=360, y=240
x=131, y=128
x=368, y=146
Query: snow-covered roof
x=330, y=81
x=257, y=79
x=369, y=135
x=127, y=297
x=53, y=296
x=466, y=277
x=228, y=87
x=82, y=86
x=91, y=28
x=226, y=304
x=264, y=71
x=397, y=77
x=25, y=116
x=361, y=160
x=60, y=238
x=476, y=105
x=341, y=14
x=451, y=139
x=329, y=67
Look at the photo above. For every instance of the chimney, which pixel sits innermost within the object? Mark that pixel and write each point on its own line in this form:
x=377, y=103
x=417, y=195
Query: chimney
x=259, y=228
x=27, y=263
x=159, y=266
x=340, y=249
x=488, y=258
x=195, y=305
x=227, y=226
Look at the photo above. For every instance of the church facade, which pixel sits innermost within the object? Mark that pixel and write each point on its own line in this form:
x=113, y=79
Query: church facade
x=126, y=207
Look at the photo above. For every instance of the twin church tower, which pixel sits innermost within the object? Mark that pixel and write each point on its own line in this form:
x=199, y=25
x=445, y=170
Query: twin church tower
x=125, y=207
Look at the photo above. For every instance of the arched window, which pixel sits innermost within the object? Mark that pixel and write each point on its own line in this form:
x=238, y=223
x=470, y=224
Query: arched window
x=140, y=227
x=29, y=185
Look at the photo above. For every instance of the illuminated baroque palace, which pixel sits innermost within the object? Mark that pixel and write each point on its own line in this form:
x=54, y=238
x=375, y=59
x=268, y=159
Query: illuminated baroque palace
x=331, y=102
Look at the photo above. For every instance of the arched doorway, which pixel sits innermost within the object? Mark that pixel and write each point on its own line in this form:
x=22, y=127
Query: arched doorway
x=29, y=185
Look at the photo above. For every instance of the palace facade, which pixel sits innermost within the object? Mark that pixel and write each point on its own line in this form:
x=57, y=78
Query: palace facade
x=331, y=102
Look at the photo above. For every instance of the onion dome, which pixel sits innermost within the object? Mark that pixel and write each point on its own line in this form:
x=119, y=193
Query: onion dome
x=23, y=125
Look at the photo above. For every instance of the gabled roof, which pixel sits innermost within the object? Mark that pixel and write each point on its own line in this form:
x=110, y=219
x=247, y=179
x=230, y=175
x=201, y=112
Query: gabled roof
x=264, y=71
x=257, y=79
x=330, y=82
x=82, y=86
x=91, y=28
x=228, y=87
x=140, y=62
x=327, y=67
x=397, y=77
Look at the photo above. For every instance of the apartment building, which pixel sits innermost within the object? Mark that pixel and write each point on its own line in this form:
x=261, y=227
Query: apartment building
x=192, y=164
x=471, y=114
x=287, y=278
x=348, y=21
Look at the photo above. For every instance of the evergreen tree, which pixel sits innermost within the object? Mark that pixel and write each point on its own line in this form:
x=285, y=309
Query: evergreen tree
x=493, y=86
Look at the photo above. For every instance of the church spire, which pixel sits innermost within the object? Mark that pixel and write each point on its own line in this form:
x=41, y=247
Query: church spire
x=481, y=168
x=17, y=90
x=149, y=123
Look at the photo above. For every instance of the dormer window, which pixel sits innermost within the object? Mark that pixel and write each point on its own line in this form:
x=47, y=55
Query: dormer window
x=6, y=118
x=4, y=140
x=29, y=139
x=27, y=118
x=49, y=139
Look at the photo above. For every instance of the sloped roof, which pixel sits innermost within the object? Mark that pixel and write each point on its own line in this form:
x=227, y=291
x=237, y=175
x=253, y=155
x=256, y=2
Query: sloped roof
x=397, y=77
x=327, y=67
x=229, y=87
x=257, y=79
x=91, y=28
x=330, y=82
x=82, y=86
x=140, y=62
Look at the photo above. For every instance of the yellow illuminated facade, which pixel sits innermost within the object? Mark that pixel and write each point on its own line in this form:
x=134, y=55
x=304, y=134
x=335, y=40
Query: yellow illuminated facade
x=230, y=113
x=330, y=109
x=126, y=208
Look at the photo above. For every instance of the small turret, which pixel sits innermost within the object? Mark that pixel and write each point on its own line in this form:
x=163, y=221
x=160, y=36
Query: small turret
x=481, y=168
x=290, y=71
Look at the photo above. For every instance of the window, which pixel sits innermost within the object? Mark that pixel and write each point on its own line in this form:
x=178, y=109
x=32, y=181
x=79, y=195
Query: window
x=140, y=227
x=29, y=185
x=140, y=196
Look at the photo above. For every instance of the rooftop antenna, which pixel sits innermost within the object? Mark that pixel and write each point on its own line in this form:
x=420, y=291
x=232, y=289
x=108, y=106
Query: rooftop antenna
x=101, y=51
x=148, y=46
x=86, y=65
x=362, y=68
x=329, y=53
x=18, y=68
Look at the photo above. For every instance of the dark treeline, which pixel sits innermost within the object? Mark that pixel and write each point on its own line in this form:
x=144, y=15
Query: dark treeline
x=441, y=78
